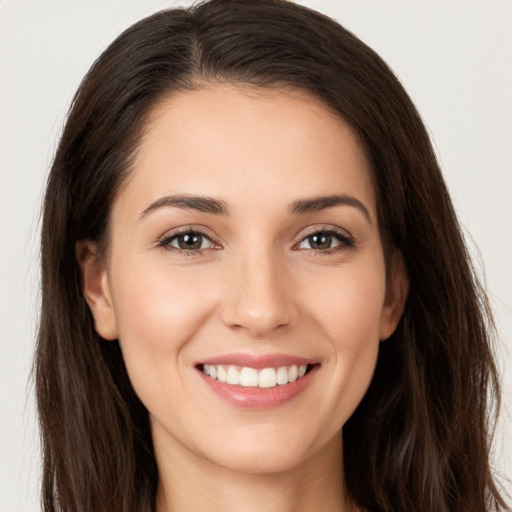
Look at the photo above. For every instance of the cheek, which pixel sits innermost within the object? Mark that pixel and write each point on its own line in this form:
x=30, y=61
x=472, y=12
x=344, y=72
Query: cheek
x=348, y=316
x=158, y=312
x=152, y=297
x=349, y=304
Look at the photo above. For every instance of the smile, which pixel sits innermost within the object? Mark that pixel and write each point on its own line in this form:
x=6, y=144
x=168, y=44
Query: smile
x=258, y=382
x=251, y=377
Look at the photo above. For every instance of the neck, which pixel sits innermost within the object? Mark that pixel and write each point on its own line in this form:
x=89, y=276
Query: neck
x=193, y=483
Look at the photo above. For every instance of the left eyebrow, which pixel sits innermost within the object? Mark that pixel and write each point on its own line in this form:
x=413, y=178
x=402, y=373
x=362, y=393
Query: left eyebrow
x=319, y=203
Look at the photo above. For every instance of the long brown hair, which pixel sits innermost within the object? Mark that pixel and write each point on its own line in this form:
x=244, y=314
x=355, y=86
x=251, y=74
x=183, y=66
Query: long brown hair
x=419, y=441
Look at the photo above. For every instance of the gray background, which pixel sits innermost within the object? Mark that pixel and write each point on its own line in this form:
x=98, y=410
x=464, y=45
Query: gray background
x=453, y=56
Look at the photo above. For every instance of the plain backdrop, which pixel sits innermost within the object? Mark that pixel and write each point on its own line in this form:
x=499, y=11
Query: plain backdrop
x=453, y=56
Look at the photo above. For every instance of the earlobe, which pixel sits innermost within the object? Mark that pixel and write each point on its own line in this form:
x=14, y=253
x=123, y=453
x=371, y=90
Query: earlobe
x=396, y=295
x=96, y=289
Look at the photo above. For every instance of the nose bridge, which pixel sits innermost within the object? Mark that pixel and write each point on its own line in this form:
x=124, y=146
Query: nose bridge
x=259, y=298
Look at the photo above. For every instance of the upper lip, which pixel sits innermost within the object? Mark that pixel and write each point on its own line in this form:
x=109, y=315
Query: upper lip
x=257, y=361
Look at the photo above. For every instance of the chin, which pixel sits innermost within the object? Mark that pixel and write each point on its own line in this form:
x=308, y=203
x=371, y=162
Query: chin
x=260, y=462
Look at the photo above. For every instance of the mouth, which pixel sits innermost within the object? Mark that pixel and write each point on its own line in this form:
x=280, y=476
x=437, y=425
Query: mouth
x=257, y=383
x=264, y=378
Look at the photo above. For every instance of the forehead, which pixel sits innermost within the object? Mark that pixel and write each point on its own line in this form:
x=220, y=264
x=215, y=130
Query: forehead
x=247, y=147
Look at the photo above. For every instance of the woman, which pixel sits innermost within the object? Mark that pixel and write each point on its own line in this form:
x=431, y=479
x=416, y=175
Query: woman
x=255, y=289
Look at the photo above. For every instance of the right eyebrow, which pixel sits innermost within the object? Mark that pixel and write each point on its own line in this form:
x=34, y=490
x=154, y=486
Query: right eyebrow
x=188, y=202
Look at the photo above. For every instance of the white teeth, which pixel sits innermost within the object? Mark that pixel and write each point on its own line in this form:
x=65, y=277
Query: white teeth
x=233, y=376
x=250, y=377
x=282, y=375
x=267, y=378
x=221, y=374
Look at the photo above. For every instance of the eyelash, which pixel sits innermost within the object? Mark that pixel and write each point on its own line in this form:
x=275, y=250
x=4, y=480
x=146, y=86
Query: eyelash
x=344, y=239
x=166, y=241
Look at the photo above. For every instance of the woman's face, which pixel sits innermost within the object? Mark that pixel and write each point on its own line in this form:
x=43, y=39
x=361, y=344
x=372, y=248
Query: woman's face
x=245, y=251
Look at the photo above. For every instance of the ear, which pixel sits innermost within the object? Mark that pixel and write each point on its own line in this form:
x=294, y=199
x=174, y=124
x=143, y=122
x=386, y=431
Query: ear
x=96, y=289
x=396, y=295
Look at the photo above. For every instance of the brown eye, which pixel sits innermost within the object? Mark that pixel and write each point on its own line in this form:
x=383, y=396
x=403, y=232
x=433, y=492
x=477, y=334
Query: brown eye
x=190, y=241
x=320, y=241
x=187, y=241
x=324, y=241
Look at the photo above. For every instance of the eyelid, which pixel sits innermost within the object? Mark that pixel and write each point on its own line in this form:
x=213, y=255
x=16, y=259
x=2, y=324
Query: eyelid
x=323, y=228
x=164, y=240
x=347, y=241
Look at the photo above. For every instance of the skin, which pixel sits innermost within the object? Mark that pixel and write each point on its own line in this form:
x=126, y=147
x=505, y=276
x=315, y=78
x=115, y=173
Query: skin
x=261, y=286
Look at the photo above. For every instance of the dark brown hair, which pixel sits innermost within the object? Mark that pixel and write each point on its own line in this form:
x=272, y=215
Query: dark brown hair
x=419, y=441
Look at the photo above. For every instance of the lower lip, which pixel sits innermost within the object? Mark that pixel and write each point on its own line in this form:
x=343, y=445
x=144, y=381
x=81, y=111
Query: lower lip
x=259, y=398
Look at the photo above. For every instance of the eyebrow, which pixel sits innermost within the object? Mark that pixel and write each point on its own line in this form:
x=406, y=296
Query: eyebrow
x=218, y=207
x=188, y=202
x=316, y=204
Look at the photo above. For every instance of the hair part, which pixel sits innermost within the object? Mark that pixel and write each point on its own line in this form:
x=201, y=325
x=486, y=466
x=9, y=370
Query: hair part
x=420, y=438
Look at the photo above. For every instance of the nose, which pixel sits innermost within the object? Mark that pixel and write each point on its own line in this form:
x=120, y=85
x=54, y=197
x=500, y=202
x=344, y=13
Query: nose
x=260, y=297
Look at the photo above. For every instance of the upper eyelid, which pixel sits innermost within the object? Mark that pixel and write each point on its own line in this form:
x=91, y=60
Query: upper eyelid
x=323, y=229
x=345, y=239
x=188, y=229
